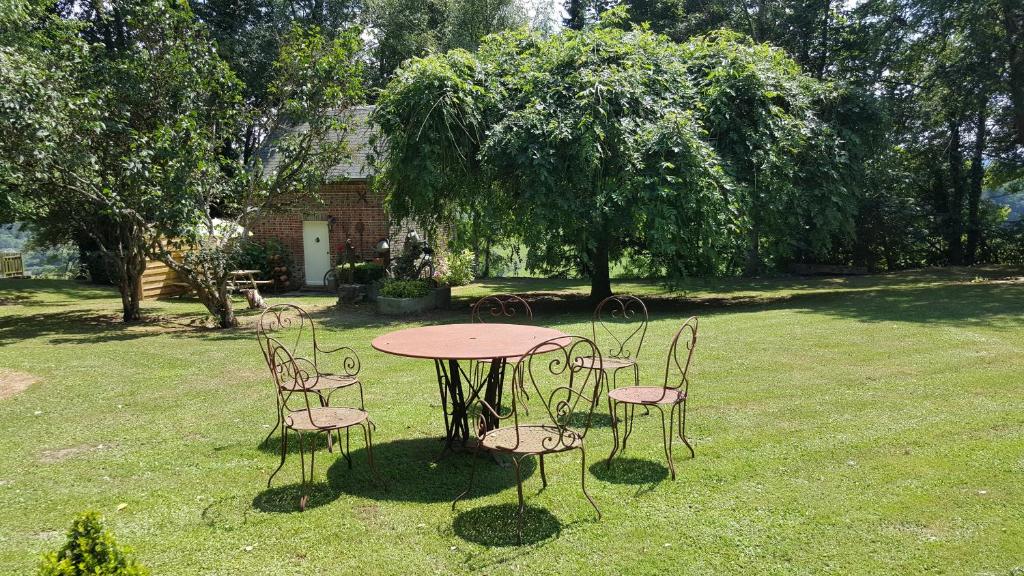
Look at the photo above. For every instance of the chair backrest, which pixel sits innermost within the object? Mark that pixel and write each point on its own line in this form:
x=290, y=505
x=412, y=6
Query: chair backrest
x=620, y=322
x=501, y=308
x=287, y=324
x=292, y=375
x=554, y=373
x=677, y=365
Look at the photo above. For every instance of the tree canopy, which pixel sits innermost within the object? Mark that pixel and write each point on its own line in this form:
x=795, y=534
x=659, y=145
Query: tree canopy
x=592, y=143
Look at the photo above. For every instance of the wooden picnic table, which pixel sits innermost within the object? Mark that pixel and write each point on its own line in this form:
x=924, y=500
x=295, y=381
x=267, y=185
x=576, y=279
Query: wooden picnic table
x=447, y=344
x=246, y=280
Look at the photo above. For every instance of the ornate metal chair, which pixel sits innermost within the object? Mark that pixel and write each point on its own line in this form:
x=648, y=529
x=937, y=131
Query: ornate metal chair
x=299, y=394
x=673, y=394
x=506, y=308
x=621, y=322
x=553, y=360
x=291, y=322
x=501, y=308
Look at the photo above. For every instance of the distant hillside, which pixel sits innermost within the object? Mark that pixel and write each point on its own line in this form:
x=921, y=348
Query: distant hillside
x=59, y=262
x=1004, y=197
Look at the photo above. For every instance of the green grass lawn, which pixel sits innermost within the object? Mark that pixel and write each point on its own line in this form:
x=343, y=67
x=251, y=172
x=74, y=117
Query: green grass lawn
x=869, y=425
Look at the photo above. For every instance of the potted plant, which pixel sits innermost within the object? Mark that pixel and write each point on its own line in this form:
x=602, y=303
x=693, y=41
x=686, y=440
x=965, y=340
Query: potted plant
x=400, y=297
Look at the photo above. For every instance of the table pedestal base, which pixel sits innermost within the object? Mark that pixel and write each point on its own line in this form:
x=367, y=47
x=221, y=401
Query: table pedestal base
x=455, y=403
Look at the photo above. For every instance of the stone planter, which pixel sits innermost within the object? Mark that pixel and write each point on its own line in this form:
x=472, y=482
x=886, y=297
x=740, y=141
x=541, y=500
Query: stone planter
x=443, y=297
x=405, y=306
x=351, y=293
x=438, y=298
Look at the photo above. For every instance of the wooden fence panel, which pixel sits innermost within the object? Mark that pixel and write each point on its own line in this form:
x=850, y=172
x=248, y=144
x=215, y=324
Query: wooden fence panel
x=11, y=265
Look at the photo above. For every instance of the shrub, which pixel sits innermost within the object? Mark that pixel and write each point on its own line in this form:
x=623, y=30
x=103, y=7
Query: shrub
x=90, y=550
x=405, y=288
x=368, y=272
x=459, y=268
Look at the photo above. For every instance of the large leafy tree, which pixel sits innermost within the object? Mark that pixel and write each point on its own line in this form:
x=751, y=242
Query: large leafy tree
x=592, y=143
x=789, y=168
x=112, y=126
x=301, y=122
x=119, y=128
x=403, y=29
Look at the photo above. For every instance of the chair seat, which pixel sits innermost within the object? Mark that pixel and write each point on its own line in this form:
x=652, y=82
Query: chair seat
x=325, y=418
x=338, y=380
x=646, y=395
x=324, y=382
x=605, y=363
x=532, y=439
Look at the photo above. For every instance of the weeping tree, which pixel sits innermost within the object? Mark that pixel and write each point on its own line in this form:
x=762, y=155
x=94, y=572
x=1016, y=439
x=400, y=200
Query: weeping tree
x=791, y=172
x=590, y=144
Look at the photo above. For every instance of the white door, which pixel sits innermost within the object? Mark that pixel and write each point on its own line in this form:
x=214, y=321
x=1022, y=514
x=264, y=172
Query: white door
x=316, y=249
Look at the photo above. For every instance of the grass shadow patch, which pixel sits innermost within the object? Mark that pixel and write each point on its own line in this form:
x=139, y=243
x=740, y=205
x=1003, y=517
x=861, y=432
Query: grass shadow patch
x=285, y=499
x=630, y=471
x=495, y=525
x=413, y=473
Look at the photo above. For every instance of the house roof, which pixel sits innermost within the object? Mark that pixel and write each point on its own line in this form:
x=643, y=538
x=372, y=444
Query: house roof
x=356, y=166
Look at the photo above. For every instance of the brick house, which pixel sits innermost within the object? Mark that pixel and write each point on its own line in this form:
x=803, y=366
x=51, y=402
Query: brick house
x=350, y=210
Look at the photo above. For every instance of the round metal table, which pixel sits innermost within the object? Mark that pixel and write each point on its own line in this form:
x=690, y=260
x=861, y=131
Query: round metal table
x=447, y=344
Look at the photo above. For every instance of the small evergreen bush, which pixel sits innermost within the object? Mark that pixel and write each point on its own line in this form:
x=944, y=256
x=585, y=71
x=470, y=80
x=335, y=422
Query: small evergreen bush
x=90, y=550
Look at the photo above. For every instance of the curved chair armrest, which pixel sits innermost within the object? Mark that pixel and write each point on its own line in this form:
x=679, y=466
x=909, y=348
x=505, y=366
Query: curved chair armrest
x=350, y=362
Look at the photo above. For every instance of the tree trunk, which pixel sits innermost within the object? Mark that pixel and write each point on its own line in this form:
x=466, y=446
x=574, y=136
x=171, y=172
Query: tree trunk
x=600, y=275
x=576, y=15
x=1013, y=21
x=487, y=259
x=753, y=265
x=131, y=263
x=977, y=179
x=131, y=294
x=210, y=287
x=955, y=217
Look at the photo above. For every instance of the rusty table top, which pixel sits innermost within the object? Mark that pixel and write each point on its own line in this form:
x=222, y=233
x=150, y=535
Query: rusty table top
x=465, y=341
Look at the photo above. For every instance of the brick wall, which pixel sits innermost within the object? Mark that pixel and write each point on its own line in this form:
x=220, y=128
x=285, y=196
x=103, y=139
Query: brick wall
x=357, y=215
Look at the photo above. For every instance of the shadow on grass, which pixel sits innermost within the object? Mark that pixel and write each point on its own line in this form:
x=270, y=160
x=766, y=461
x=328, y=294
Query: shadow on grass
x=272, y=444
x=285, y=499
x=629, y=471
x=495, y=525
x=413, y=474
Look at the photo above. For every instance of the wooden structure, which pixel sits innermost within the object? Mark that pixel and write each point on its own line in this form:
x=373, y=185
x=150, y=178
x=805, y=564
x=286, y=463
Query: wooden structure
x=11, y=265
x=159, y=281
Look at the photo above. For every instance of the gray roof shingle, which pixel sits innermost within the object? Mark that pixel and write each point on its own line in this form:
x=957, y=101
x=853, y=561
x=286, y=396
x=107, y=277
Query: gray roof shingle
x=356, y=166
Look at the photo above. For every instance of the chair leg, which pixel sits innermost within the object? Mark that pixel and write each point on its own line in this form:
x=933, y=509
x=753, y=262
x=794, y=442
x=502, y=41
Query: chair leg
x=666, y=438
x=522, y=503
x=304, y=499
x=362, y=405
x=628, y=414
x=682, y=428
x=583, y=481
x=543, y=476
x=347, y=453
x=278, y=424
x=368, y=438
x=472, y=476
x=613, y=410
x=325, y=401
x=284, y=453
